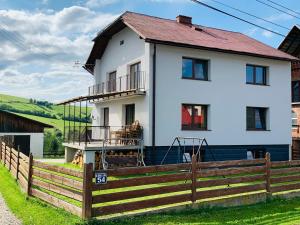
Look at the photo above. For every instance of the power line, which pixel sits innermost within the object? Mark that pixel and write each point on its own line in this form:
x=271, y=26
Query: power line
x=280, y=10
x=282, y=6
x=249, y=14
x=19, y=41
x=6, y=35
x=236, y=17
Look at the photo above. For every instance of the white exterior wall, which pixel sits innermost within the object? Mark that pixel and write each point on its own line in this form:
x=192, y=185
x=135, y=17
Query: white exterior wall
x=227, y=95
x=37, y=145
x=119, y=58
x=36, y=142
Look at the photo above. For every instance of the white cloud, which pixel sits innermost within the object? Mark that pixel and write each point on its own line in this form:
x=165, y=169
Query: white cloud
x=280, y=17
x=38, y=50
x=251, y=32
x=100, y=3
x=276, y=18
x=267, y=34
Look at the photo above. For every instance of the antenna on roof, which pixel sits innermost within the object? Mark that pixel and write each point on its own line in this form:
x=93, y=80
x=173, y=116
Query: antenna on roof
x=77, y=64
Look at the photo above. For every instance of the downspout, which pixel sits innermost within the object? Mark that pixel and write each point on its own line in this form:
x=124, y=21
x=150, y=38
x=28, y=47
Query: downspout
x=153, y=95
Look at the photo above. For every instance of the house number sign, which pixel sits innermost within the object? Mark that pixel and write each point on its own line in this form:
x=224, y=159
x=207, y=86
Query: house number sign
x=101, y=178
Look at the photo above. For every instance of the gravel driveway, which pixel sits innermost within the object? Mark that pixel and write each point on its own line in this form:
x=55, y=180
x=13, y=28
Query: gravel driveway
x=6, y=216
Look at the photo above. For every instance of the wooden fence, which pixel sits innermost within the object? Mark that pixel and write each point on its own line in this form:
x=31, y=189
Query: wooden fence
x=140, y=189
x=56, y=185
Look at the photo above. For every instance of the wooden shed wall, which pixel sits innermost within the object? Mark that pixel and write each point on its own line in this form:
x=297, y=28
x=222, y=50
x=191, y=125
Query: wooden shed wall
x=10, y=123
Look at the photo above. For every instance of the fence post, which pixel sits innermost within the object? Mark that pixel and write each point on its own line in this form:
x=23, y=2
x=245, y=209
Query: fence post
x=268, y=174
x=29, y=174
x=18, y=162
x=4, y=159
x=0, y=151
x=87, y=191
x=10, y=152
x=194, y=178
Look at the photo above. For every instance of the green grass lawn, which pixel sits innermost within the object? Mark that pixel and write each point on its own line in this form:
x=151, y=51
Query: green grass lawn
x=67, y=165
x=31, y=211
x=34, y=212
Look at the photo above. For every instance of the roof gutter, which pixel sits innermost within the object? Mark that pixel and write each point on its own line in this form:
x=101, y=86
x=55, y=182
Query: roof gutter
x=153, y=95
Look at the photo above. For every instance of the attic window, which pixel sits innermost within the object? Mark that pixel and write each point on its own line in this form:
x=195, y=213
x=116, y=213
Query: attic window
x=121, y=42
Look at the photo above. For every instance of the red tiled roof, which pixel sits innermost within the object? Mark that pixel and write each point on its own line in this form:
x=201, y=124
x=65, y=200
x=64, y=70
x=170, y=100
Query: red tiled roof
x=165, y=30
x=154, y=29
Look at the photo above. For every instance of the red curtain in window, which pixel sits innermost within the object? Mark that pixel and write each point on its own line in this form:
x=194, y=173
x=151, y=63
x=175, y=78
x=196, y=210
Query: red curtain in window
x=186, y=116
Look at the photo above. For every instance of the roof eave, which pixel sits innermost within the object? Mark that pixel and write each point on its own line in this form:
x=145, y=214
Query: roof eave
x=177, y=44
x=291, y=31
x=88, y=65
x=102, y=34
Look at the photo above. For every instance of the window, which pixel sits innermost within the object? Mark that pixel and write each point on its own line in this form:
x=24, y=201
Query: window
x=256, y=75
x=196, y=69
x=294, y=119
x=256, y=118
x=135, y=70
x=194, y=117
x=295, y=91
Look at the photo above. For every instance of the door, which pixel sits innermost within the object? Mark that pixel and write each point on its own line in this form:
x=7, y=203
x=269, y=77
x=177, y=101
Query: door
x=135, y=75
x=112, y=81
x=23, y=141
x=129, y=114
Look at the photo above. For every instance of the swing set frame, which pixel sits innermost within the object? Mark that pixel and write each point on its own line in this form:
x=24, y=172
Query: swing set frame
x=197, y=144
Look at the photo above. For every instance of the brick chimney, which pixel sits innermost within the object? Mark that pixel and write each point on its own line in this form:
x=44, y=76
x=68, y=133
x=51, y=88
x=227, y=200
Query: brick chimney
x=184, y=19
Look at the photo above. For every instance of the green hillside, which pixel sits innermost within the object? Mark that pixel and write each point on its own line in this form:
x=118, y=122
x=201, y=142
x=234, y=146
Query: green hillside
x=45, y=112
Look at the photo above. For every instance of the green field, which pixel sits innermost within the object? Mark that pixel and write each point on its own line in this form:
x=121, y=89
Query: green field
x=38, y=110
x=34, y=212
x=57, y=123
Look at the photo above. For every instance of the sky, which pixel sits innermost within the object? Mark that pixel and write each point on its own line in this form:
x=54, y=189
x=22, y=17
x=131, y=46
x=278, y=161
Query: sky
x=40, y=40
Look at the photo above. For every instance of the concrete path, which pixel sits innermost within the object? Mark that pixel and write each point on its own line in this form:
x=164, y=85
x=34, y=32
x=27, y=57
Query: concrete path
x=6, y=216
x=51, y=160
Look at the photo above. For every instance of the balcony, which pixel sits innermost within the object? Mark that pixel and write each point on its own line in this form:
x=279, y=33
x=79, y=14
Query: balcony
x=110, y=137
x=130, y=84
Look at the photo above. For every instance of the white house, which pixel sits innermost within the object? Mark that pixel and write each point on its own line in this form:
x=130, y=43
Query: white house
x=181, y=79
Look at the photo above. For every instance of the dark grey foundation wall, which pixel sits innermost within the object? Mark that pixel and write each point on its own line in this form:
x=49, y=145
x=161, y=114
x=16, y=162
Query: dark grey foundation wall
x=214, y=153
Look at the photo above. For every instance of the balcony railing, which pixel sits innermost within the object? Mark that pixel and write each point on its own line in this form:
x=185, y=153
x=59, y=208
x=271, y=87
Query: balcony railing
x=130, y=82
x=113, y=135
